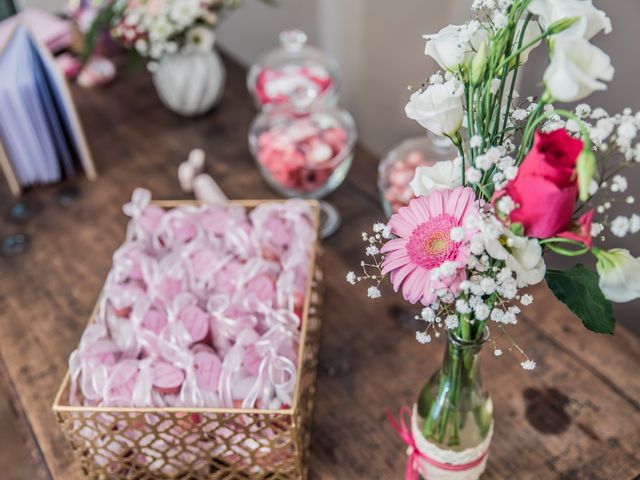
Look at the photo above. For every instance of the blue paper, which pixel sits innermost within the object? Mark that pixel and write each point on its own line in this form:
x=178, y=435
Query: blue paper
x=36, y=129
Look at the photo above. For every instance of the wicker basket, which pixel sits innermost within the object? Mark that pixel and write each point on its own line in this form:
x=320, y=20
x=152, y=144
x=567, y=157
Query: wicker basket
x=202, y=443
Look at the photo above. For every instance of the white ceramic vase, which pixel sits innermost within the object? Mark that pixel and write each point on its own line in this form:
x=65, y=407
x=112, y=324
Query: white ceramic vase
x=190, y=82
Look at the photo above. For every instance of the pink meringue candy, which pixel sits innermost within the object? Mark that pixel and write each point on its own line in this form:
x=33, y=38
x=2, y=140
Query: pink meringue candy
x=166, y=377
x=195, y=321
x=207, y=366
x=121, y=383
x=202, y=308
x=155, y=319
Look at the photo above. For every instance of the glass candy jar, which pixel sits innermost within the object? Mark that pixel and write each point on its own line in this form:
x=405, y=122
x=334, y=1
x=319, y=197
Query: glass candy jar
x=305, y=153
x=293, y=73
x=397, y=168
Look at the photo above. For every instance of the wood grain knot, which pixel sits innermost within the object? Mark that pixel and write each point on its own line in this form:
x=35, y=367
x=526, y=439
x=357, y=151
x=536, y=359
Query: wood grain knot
x=405, y=319
x=546, y=410
x=334, y=363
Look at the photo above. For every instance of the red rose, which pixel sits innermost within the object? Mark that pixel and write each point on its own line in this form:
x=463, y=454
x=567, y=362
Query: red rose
x=546, y=186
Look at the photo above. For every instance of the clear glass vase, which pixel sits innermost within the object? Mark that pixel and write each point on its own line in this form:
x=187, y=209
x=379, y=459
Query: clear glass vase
x=454, y=411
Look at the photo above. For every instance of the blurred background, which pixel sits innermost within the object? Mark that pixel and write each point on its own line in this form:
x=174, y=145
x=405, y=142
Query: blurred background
x=380, y=51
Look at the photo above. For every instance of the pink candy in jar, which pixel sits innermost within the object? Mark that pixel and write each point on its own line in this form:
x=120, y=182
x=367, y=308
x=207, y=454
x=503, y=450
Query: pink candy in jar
x=299, y=152
x=293, y=73
x=275, y=86
x=400, y=174
x=398, y=168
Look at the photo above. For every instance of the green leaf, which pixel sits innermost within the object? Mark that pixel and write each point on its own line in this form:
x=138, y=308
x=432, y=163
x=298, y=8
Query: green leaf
x=578, y=289
x=517, y=228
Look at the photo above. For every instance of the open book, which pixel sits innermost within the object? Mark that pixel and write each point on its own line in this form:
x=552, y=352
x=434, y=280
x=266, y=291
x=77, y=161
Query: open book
x=41, y=139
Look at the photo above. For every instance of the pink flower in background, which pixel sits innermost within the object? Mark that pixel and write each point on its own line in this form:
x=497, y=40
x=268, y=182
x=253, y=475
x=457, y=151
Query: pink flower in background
x=424, y=244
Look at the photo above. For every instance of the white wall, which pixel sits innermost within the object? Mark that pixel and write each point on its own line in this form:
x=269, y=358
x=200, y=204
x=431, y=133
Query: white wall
x=380, y=50
x=378, y=45
x=253, y=29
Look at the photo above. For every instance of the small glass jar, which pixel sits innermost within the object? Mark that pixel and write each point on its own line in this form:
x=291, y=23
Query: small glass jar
x=398, y=167
x=303, y=153
x=294, y=73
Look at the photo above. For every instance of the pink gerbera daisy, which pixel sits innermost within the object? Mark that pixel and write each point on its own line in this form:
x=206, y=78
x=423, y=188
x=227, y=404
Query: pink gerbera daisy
x=424, y=243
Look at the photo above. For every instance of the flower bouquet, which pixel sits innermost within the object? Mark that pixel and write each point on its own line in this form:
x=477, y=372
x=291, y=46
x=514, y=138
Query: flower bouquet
x=177, y=36
x=529, y=179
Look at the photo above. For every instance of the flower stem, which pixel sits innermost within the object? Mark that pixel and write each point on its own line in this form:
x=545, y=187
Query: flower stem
x=517, y=53
x=514, y=78
x=534, y=119
x=456, y=367
x=465, y=328
x=435, y=408
x=457, y=141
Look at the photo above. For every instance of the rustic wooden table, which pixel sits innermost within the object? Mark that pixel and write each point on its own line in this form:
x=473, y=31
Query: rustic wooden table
x=577, y=416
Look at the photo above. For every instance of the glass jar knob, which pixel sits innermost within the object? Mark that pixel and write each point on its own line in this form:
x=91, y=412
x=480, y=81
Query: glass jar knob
x=293, y=40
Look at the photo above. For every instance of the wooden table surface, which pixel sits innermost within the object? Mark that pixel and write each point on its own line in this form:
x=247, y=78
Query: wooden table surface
x=576, y=416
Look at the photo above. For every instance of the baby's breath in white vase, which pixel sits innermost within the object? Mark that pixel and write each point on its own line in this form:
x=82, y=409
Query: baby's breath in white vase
x=177, y=38
x=190, y=81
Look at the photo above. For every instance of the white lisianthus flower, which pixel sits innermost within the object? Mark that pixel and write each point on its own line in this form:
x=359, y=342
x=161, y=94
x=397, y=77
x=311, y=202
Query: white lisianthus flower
x=443, y=175
x=521, y=254
x=576, y=69
x=201, y=39
x=590, y=19
x=454, y=45
x=619, y=274
x=438, y=108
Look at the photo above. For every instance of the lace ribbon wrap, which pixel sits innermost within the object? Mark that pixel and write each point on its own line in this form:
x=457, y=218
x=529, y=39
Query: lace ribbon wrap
x=202, y=308
x=466, y=464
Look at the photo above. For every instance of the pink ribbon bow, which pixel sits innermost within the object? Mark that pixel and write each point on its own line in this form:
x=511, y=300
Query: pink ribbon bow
x=411, y=471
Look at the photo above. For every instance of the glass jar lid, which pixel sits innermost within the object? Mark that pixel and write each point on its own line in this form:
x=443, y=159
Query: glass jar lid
x=294, y=73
